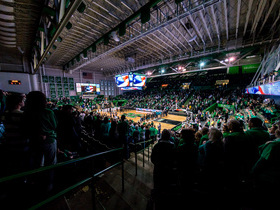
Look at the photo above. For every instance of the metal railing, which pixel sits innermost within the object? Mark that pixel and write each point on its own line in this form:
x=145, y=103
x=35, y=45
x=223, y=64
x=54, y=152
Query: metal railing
x=70, y=162
x=142, y=150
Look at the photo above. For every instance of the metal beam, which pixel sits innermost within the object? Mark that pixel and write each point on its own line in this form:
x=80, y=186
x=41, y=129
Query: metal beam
x=175, y=37
x=226, y=17
x=183, y=25
x=205, y=25
x=61, y=26
x=126, y=43
x=170, y=40
x=237, y=18
x=267, y=15
x=258, y=16
x=248, y=16
x=151, y=40
x=273, y=25
x=106, y=18
x=161, y=39
x=163, y=42
x=181, y=34
x=215, y=21
x=221, y=62
x=196, y=28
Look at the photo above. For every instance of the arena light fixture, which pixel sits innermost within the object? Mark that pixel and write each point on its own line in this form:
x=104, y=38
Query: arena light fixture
x=202, y=64
x=231, y=59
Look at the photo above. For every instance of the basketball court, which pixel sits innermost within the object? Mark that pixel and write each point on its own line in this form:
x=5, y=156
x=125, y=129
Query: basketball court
x=164, y=121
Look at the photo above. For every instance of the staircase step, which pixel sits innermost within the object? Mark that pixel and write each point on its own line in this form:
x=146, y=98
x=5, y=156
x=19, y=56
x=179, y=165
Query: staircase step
x=136, y=188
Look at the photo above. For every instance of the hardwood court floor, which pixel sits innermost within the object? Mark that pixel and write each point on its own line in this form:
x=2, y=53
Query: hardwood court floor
x=163, y=125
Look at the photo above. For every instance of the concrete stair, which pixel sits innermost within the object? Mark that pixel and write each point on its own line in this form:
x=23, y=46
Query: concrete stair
x=108, y=187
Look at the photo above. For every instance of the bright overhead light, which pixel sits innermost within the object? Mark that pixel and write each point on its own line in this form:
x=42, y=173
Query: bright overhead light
x=202, y=64
x=226, y=60
x=231, y=59
x=163, y=70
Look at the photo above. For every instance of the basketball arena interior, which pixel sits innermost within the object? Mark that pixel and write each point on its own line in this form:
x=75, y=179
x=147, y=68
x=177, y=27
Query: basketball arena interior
x=139, y=104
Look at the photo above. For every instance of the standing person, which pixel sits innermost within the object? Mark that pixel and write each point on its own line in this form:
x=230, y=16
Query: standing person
x=236, y=155
x=164, y=159
x=187, y=158
x=165, y=174
x=204, y=132
x=256, y=136
x=266, y=173
x=15, y=148
x=105, y=129
x=123, y=128
x=153, y=133
x=67, y=135
x=213, y=157
x=114, y=135
x=39, y=126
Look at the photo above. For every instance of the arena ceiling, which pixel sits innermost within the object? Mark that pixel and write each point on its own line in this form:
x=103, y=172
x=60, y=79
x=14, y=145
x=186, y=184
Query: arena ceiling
x=19, y=20
x=115, y=36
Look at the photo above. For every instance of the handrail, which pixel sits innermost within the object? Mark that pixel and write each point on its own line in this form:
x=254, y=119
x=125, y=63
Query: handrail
x=7, y=178
x=73, y=187
x=46, y=168
x=143, y=141
x=142, y=150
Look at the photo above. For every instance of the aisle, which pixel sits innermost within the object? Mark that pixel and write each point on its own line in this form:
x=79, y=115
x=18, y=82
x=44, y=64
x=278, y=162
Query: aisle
x=137, y=189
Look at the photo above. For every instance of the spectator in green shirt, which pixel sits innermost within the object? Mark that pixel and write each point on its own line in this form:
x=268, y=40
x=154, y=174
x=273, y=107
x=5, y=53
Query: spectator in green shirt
x=204, y=137
x=123, y=128
x=153, y=133
x=266, y=173
x=256, y=136
x=39, y=126
x=235, y=148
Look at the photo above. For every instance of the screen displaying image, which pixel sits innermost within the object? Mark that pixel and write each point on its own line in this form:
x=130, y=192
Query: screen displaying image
x=88, y=89
x=266, y=89
x=139, y=80
x=122, y=80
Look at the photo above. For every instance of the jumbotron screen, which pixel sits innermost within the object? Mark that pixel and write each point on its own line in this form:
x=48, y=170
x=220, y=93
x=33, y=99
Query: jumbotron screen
x=88, y=89
x=131, y=80
x=265, y=89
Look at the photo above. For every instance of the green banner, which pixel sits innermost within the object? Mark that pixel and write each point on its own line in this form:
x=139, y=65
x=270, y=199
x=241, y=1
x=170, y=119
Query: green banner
x=226, y=106
x=251, y=68
x=210, y=108
x=233, y=70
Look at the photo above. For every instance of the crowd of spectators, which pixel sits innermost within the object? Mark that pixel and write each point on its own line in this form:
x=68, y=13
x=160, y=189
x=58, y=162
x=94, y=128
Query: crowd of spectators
x=236, y=165
x=222, y=156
